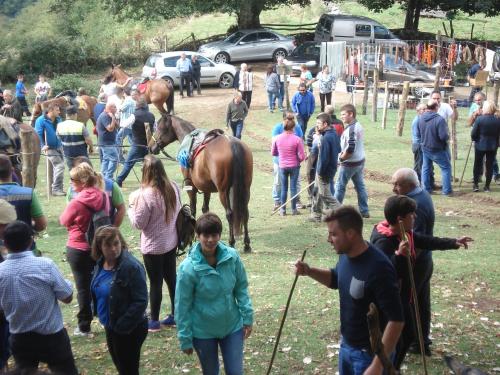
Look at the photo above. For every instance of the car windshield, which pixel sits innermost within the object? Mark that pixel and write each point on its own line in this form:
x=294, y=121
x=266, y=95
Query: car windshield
x=306, y=49
x=233, y=38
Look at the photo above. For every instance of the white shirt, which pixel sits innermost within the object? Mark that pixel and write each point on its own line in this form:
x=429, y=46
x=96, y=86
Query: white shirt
x=445, y=111
x=42, y=88
x=246, y=81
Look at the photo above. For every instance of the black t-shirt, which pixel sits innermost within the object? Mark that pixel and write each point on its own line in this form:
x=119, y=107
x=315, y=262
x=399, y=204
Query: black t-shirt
x=142, y=116
x=367, y=278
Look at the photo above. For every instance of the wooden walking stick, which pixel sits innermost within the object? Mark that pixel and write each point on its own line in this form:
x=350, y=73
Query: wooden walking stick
x=296, y=195
x=283, y=318
x=376, y=339
x=465, y=166
x=415, y=300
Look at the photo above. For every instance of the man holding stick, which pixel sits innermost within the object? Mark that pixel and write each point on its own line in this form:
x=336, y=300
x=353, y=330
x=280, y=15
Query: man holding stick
x=363, y=275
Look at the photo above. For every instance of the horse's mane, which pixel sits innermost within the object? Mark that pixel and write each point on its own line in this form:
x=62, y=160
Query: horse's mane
x=184, y=123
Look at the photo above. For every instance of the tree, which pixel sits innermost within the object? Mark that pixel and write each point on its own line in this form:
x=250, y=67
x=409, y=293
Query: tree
x=10, y=8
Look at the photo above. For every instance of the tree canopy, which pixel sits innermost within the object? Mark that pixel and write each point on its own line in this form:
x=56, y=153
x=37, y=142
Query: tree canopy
x=10, y=8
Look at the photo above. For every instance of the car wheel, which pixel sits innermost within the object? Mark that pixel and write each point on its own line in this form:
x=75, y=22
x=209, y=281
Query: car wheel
x=226, y=80
x=279, y=53
x=169, y=80
x=222, y=58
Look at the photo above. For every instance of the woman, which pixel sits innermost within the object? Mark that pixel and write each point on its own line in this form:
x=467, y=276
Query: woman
x=326, y=86
x=120, y=297
x=272, y=86
x=485, y=134
x=306, y=77
x=154, y=208
x=243, y=82
x=76, y=218
x=212, y=303
x=290, y=150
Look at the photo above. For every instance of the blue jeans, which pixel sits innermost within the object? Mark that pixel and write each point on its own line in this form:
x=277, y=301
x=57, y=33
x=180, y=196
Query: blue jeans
x=353, y=361
x=281, y=95
x=237, y=128
x=302, y=121
x=231, y=347
x=122, y=133
x=271, y=97
x=276, y=183
x=356, y=175
x=293, y=174
x=109, y=160
x=442, y=159
x=135, y=154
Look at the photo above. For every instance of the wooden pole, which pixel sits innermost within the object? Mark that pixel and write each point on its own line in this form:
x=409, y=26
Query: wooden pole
x=496, y=89
x=386, y=105
x=453, y=141
x=28, y=171
x=365, y=95
x=402, y=108
x=375, y=95
x=437, y=79
x=376, y=343
x=48, y=170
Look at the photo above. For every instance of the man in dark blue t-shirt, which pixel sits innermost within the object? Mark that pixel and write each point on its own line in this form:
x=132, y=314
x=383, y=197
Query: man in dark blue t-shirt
x=106, y=138
x=363, y=275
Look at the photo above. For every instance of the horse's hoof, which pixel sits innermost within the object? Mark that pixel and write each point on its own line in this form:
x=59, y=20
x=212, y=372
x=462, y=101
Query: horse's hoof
x=247, y=249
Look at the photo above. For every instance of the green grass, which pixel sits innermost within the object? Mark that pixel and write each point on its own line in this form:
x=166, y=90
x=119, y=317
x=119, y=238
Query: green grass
x=465, y=286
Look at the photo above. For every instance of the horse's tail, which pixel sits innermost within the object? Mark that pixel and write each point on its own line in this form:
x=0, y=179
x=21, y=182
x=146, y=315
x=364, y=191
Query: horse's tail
x=170, y=99
x=239, y=192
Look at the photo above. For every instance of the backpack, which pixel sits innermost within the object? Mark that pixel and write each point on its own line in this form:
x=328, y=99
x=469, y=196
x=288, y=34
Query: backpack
x=184, y=225
x=100, y=218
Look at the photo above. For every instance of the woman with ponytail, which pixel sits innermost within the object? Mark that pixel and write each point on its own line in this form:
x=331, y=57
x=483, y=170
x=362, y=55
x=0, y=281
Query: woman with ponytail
x=153, y=209
x=76, y=218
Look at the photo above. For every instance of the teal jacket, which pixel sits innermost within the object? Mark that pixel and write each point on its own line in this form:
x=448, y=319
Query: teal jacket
x=211, y=302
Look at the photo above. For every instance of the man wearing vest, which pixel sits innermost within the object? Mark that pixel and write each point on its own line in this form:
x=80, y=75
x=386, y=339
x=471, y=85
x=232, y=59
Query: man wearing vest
x=74, y=137
x=24, y=199
x=46, y=126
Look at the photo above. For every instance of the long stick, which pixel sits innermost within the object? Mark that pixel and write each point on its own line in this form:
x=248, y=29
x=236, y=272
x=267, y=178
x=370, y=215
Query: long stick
x=376, y=339
x=415, y=300
x=465, y=166
x=296, y=195
x=283, y=318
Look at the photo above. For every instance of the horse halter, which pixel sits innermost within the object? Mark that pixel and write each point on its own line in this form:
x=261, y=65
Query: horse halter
x=161, y=147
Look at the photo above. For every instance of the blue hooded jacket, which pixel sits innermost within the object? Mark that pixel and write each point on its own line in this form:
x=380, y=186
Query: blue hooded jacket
x=433, y=132
x=328, y=154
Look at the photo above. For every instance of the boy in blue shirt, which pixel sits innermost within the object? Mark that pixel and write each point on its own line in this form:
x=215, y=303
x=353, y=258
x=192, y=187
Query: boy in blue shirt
x=21, y=92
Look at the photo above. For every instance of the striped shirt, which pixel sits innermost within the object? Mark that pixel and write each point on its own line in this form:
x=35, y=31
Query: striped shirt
x=29, y=289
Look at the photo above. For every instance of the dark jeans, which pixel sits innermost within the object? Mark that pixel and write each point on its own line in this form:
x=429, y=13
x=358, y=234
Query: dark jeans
x=478, y=165
x=323, y=97
x=185, y=82
x=237, y=128
x=30, y=348
x=82, y=266
x=24, y=105
x=160, y=267
x=417, y=163
x=408, y=335
x=196, y=81
x=247, y=97
x=135, y=153
x=302, y=121
x=423, y=273
x=125, y=350
x=4, y=342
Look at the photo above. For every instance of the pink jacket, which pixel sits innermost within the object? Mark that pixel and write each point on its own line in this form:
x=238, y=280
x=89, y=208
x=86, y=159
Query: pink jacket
x=290, y=150
x=77, y=215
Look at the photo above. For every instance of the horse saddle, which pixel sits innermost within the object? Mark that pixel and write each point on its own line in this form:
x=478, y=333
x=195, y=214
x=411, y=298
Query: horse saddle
x=143, y=85
x=194, y=143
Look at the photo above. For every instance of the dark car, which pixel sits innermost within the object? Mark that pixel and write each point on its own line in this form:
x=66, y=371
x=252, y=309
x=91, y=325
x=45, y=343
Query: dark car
x=307, y=53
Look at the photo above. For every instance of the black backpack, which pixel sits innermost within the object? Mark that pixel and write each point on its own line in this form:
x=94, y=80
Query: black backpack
x=184, y=224
x=100, y=218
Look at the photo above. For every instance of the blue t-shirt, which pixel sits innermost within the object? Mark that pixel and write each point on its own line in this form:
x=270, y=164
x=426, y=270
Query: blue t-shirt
x=20, y=89
x=369, y=277
x=280, y=128
x=104, y=136
x=101, y=289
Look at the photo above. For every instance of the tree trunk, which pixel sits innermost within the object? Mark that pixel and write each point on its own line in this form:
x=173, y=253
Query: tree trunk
x=418, y=8
x=410, y=13
x=249, y=14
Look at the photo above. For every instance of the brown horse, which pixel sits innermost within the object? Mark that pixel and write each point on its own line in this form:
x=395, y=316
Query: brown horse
x=14, y=128
x=84, y=114
x=224, y=165
x=158, y=91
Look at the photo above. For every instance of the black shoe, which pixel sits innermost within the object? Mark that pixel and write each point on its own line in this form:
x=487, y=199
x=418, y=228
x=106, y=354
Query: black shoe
x=475, y=189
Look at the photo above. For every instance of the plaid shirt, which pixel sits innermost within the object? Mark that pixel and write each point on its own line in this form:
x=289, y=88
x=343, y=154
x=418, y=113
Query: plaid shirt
x=29, y=290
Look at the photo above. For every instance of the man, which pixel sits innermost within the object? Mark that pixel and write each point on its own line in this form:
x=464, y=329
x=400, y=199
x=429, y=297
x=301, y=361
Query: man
x=277, y=130
x=405, y=182
x=24, y=199
x=11, y=106
x=471, y=74
x=433, y=134
x=21, y=92
x=237, y=110
x=127, y=109
x=106, y=138
x=195, y=64
x=184, y=68
x=416, y=147
x=326, y=167
x=74, y=136
x=113, y=191
x=352, y=159
x=139, y=147
x=387, y=236
x=29, y=290
x=42, y=89
x=363, y=275
x=281, y=69
x=303, y=106
x=446, y=111
x=46, y=127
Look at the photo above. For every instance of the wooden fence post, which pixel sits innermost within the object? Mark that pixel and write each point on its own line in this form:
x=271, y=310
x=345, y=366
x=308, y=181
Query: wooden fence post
x=496, y=89
x=437, y=79
x=386, y=104
x=28, y=171
x=365, y=95
x=453, y=141
x=402, y=108
x=375, y=95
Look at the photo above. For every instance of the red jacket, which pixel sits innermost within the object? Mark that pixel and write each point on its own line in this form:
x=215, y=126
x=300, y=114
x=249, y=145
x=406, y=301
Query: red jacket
x=77, y=215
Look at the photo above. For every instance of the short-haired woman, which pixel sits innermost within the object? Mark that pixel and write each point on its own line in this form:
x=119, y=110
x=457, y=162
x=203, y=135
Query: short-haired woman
x=154, y=208
x=213, y=307
x=326, y=86
x=272, y=86
x=120, y=296
x=76, y=218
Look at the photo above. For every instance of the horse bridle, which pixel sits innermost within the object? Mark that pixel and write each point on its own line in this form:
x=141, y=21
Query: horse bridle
x=161, y=147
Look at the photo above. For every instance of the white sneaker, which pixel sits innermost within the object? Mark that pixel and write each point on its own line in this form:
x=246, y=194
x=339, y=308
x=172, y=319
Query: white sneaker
x=77, y=332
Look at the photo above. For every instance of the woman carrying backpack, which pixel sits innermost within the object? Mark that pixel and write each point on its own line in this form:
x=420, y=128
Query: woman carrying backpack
x=153, y=209
x=77, y=217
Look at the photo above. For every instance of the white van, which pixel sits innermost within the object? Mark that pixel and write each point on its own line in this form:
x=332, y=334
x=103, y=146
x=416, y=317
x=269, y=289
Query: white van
x=353, y=30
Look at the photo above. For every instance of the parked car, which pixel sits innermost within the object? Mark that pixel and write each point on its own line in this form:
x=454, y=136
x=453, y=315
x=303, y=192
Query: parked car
x=163, y=65
x=246, y=45
x=353, y=30
x=307, y=53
